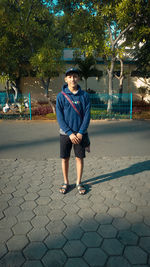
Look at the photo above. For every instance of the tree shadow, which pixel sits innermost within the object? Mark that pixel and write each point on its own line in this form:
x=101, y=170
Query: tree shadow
x=132, y=170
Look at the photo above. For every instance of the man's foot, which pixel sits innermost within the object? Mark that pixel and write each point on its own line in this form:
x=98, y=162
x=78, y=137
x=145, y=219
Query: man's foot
x=64, y=188
x=81, y=189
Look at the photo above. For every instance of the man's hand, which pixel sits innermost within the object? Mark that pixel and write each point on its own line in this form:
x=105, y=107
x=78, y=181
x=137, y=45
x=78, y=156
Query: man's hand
x=74, y=139
x=79, y=137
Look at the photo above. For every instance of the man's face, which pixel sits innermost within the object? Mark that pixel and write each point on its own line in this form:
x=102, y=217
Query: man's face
x=72, y=80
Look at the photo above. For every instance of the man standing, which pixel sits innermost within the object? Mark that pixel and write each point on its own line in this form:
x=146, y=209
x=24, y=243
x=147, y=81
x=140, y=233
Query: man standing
x=73, y=115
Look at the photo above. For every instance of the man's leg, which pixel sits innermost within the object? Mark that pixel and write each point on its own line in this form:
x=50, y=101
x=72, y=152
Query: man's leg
x=79, y=167
x=65, y=169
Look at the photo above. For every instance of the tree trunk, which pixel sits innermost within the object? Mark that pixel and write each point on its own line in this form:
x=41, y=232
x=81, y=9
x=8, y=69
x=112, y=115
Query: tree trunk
x=46, y=86
x=110, y=86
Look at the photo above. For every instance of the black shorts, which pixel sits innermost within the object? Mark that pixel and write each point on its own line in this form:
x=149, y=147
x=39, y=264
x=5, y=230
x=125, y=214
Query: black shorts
x=66, y=146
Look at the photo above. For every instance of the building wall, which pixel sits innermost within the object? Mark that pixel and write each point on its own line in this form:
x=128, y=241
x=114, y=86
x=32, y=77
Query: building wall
x=34, y=85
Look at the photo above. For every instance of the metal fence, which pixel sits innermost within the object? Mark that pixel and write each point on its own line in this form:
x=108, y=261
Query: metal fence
x=120, y=108
x=11, y=108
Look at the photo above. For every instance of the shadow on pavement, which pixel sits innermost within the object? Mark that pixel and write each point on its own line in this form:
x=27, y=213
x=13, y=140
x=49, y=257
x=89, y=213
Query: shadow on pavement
x=132, y=170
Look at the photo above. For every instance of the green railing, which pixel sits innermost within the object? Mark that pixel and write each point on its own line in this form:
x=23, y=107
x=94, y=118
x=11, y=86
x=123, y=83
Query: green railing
x=116, y=106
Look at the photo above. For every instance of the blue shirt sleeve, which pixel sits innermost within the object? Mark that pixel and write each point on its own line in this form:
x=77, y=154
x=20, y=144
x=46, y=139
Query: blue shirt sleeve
x=86, y=118
x=60, y=115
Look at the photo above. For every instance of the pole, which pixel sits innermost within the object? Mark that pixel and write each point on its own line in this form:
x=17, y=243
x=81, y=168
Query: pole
x=30, y=106
x=131, y=106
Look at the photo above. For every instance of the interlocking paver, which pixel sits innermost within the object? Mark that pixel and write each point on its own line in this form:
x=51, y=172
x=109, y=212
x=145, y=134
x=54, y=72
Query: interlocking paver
x=55, y=240
x=91, y=239
x=128, y=237
x=17, y=242
x=55, y=257
x=107, y=231
x=13, y=259
x=112, y=247
x=35, y=251
x=135, y=255
x=95, y=257
x=145, y=244
x=109, y=226
x=22, y=228
x=40, y=221
x=74, y=248
x=72, y=262
x=89, y=225
x=37, y=234
x=117, y=261
x=141, y=229
x=55, y=226
x=73, y=232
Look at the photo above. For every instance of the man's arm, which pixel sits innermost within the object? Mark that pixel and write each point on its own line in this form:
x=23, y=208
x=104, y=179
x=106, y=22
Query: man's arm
x=86, y=118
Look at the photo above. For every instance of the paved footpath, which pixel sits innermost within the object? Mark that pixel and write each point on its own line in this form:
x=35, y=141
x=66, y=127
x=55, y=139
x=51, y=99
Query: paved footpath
x=109, y=226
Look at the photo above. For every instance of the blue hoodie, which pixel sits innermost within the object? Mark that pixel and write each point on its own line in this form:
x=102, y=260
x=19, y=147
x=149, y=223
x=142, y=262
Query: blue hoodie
x=68, y=119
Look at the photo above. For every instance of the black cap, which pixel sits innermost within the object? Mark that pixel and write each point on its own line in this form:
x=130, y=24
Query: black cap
x=72, y=70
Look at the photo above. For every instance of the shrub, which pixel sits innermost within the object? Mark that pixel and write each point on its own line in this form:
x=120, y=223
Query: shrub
x=42, y=110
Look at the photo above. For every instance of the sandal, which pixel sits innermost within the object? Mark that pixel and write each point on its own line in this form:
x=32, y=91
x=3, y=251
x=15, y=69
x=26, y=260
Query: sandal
x=64, y=188
x=81, y=189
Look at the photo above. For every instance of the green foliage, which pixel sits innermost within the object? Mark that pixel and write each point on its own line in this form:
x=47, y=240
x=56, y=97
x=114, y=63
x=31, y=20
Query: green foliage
x=27, y=34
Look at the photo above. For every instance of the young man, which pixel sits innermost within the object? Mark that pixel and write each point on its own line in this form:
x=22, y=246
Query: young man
x=73, y=121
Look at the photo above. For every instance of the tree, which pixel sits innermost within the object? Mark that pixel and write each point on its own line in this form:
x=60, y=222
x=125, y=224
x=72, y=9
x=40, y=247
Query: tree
x=28, y=40
x=87, y=68
x=114, y=18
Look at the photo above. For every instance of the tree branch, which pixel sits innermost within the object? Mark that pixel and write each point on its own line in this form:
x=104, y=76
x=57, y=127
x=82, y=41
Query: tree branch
x=29, y=13
x=123, y=32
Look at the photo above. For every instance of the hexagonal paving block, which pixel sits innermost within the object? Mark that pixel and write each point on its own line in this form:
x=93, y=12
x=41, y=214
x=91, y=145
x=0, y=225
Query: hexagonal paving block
x=76, y=262
x=55, y=227
x=135, y=255
x=8, y=222
x=17, y=242
x=40, y=221
x=103, y=218
x=5, y=234
x=107, y=231
x=141, y=229
x=25, y=215
x=84, y=203
x=133, y=217
x=127, y=237
x=91, y=239
x=145, y=243
x=73, y=233
x=42, y=210
x=72, y=219
x=22, y=228
x=116, y=212
x=28, y=205
x=100, y=207
x=69, y=210
x=34, y=251
x=54, y=258
x=121, y=223
x=117, y=261
x=16, y=201
x=37, y=234
x=55, y=215
x=43, y=200
x=3, y=250
x=55, y=240
x=13, y=259
x=95, y=257
x=32, y=264
x=12, y=211
x=127, y=206
x=89, y=225
x=86, y=213
x=74, y=248
x=112, y=247
x=57, y=204
x=31, y=196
